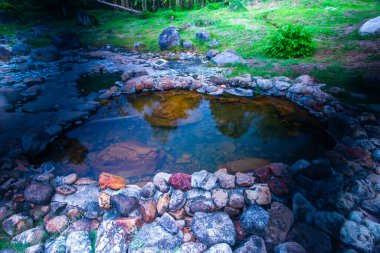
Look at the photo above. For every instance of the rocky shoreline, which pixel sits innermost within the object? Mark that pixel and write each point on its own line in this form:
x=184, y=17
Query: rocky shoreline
x=324, y=205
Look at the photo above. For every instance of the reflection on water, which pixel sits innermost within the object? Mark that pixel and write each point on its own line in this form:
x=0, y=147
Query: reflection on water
x=138, y=135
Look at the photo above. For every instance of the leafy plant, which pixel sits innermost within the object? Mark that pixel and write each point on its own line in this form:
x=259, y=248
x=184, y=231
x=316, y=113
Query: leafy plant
x=290, y=41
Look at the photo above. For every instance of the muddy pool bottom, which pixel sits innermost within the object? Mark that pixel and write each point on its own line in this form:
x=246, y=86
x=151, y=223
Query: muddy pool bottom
x=136, y=136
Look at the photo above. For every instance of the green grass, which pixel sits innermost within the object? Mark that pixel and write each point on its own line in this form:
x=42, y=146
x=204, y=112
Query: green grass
x=5, y=243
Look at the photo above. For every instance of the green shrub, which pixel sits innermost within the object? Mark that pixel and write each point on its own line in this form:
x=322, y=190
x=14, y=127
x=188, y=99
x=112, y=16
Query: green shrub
x=203, y=22
x=290, y=41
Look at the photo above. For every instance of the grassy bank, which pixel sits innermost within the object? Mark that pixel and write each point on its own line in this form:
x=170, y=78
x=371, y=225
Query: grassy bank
x=342, y=58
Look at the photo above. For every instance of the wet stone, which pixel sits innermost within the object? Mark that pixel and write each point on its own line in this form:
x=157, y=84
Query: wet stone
x=57, y=224
x=357, y=236
x=161, y=181
x=39, y=193
x=280, y=221
x=16, y=224
x=220, y=197
x=110, y=238
x=163, y=204
x=180, y=181
x=93, y=211
x=236, y=200
x=148, y=210
x=168, y=222
x=226, y=181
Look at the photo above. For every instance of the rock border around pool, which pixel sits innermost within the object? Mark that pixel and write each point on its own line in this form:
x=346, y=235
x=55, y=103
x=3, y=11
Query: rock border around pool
x=323, y=205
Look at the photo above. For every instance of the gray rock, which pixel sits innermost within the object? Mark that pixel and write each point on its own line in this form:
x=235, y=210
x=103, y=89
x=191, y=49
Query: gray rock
x=202, y=36
x=227, y=57
x=211, y=53
x=192, y=247
x=357, y=236
x=168, y=222
x=148, y=190
x=312, y=239
x=188, y=45
x=374, y=227
x=344, y=202
x=56, y=245
x=160, y=180
x=363, y=189
x=357, y=216
x=204, y=180
x=124, y=204
x=255, y=220
x=84, y=195
x=376, y=155
x=21, y=48
x=219, y=248
x=289, y=247
x=78, y=242
x=220, y=197
x=46, y=54
x=280, y=221
x=372, y=206
x=66, y=40
x=16, y=224
x=371, y=27
x=39, y=193
x=155, y=237
x=240, y=92
x=5, y=55
x=330, y=222
x=213, y=43
x=93, y=211
x=110, y=238
x=302, y=208
x=31, y=237
x=199, y=204
x=213, y=228
x=169, y=38
x=39, y=248
x=225, y=180
x=252, y=244
x=139, y=45
x=177, y=200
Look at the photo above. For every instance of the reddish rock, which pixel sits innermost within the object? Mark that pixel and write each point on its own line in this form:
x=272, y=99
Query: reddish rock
x=244, y=180
x=140, y=83
x=179, y=214
x=240, y=233
x=57, y=224
x=130, y=224
x=356, y=152
x=132, y=156
x=163, y=204
x=280, y=186
x=85, y=181
x=279, y=169
x=262, y=174
x=148, y=210
x=65, y=189
x=167, y=83
x=180, y=181
x=113, y=182
x=188, y=237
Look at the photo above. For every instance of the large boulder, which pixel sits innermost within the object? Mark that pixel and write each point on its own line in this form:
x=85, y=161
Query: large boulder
x=46, y=54
x=153, y=236
x=213, y=228
x=39, y=193
x=370, y=27
x=169, y=38
x=66, y=40
x=227, y=57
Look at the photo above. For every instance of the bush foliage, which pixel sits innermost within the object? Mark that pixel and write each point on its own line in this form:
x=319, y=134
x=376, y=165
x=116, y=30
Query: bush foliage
x=290, y=41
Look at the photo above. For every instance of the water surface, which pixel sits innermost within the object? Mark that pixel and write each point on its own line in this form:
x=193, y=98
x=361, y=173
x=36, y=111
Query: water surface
x=182, y=131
